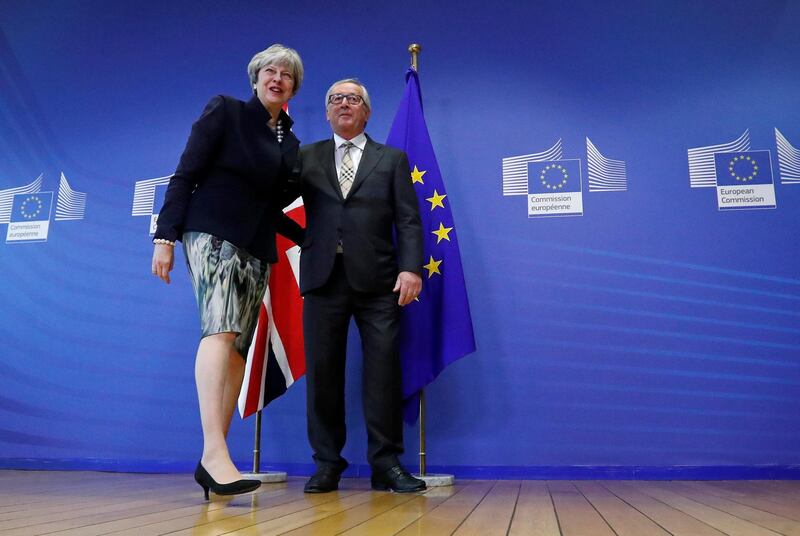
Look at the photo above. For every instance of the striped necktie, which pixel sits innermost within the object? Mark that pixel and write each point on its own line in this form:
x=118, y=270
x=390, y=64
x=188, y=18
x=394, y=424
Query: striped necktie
x=346, y=172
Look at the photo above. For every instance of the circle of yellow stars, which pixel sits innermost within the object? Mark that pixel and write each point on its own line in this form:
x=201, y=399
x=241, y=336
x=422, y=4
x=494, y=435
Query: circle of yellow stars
x=31, y=207
x=557, y=185
x=434, y=266
x=741, y=178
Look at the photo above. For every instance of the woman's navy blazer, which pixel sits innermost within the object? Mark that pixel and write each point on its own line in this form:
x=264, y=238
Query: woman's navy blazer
x=233, y=178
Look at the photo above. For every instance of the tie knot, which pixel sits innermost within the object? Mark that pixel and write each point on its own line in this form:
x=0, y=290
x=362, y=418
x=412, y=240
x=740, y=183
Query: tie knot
x=346, y=145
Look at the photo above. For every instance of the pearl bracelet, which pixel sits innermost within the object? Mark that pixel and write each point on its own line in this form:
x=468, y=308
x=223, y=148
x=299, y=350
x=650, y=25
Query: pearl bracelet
x=163, y=241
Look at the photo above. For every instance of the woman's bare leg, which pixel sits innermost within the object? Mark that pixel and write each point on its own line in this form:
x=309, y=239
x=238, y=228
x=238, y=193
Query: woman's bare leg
x=212, y=371
x=233, y=385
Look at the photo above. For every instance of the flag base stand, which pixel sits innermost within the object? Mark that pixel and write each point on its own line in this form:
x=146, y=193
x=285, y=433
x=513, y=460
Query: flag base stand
x=432, y=480
x=268, y=477
x=436, y=480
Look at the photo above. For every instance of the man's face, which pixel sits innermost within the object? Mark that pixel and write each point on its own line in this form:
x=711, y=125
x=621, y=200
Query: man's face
x=347, y=120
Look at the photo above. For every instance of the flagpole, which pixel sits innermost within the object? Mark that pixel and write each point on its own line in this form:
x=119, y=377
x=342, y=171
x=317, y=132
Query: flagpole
x=266, y=476
x=415, y=49
x=257, y=445
x=438, y=479
x=423, y=469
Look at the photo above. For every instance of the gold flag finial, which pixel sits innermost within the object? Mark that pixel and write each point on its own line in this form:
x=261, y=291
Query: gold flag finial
x=414, y=49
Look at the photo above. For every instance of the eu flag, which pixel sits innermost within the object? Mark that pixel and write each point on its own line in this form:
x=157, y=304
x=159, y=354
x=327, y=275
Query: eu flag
x=436, y=330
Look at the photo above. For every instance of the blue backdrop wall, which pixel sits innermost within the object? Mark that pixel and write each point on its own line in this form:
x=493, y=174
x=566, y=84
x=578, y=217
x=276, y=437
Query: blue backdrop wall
x=658, y=329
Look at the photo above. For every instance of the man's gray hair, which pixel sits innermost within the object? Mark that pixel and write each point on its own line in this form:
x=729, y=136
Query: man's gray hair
x=277, y=54
x=355, y=81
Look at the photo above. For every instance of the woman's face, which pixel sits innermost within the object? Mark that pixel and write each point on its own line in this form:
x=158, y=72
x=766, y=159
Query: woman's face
x=274, y=85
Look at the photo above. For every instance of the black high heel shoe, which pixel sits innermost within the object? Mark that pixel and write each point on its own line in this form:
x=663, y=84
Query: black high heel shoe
x=202, y=477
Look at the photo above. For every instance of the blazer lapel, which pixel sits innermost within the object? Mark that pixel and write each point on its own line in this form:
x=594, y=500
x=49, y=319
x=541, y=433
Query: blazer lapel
x=372, y=155
x=290, y=143
x=328, y=160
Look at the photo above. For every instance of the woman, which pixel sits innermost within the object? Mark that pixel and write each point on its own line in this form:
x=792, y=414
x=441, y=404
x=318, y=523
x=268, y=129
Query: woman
x=224, y=202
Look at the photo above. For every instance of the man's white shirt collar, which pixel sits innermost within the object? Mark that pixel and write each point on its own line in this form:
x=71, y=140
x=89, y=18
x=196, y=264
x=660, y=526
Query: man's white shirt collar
x=359, y=141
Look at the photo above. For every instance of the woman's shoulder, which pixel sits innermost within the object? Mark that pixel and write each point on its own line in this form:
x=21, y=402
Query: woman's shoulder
x=226, y=101
x=223, y=106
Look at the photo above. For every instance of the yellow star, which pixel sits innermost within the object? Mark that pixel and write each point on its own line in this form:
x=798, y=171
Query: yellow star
x=433, y=267
x=416, y=176
x=441, y=233
x=436, y=200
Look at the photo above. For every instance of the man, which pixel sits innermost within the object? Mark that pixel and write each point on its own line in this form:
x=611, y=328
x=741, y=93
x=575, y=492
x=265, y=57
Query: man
x=361, y=258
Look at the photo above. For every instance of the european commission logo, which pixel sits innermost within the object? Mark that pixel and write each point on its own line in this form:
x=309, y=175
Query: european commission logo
x=147, y=195
x=744, y=180
x=554, y=188
x=27, y=210
x=742, y=177
x=554, y=185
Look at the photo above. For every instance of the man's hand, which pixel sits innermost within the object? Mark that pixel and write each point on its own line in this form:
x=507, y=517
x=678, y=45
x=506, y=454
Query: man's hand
x=163, y=260
x=409, y=286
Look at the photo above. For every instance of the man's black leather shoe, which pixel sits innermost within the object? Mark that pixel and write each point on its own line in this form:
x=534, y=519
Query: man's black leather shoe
x=397, y=479
x=324, y=480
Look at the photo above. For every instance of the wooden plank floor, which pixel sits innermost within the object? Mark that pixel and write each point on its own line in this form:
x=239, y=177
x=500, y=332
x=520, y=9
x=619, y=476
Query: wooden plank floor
x=89, y=503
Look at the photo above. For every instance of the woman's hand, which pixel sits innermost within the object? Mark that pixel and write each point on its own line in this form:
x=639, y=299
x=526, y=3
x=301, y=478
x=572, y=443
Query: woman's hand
x=163, y=260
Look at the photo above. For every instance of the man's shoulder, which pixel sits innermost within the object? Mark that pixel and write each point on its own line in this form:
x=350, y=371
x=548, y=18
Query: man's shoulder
x=389, y=150
x=386, y=150
x=318, y=147
x=312, y=147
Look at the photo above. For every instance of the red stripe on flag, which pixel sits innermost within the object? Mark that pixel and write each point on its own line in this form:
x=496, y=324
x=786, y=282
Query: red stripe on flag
x=287, y=304
x=255, y=385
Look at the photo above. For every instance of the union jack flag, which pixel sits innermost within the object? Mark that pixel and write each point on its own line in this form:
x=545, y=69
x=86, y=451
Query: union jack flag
x=276, y=357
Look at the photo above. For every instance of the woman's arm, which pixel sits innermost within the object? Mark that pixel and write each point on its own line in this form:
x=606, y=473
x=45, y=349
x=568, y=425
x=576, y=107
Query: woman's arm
x=289, y=228
x=200, y=150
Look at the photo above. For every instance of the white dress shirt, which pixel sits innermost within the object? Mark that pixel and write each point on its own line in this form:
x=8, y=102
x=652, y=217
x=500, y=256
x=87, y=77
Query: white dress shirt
x=360, y=142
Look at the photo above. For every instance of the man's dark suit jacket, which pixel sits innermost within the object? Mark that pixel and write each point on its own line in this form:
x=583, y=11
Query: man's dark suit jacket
x=231, y=181
x=378, y=223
